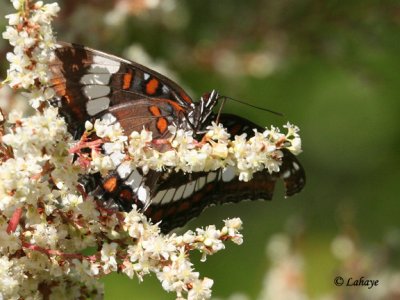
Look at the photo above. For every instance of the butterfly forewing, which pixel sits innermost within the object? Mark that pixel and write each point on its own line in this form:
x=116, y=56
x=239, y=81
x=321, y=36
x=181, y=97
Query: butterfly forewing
x=88, y=82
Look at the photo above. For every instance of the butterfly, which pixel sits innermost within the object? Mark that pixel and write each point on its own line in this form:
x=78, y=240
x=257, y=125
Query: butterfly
x=90, y=84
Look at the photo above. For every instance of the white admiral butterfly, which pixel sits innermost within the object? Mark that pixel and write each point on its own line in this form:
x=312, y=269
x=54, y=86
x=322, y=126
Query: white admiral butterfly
x=91, y=84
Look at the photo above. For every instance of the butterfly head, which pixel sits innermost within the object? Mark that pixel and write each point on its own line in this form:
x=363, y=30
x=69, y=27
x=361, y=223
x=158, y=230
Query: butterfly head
x=203, y=110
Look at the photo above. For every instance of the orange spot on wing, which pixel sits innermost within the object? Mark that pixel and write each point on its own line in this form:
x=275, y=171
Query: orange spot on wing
x=162, y=125
x=110, y=184
x=151, y=86
x=235, y=129
x=155, y=110
x=197, y=197
x=59, y=86
x=170, y=211
x=157, y=216
x=175, y=105
x=126, y=195
x=183, y=206
x=127, y=80
x=185, y=97
x=210, y=187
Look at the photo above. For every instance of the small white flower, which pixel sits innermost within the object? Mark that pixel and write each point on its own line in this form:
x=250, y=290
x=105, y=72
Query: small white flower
x=9, y=284
x=9, y=243
x=71, y=200
x=13, y=19
x=18, y=61
x=232, y=226
x=37, y=96
x=217, y=132
x=133, y=224
x=18, y=4
x=210, y=238
x=45, y=236
x=11, y=34
x=108, y=257
x=51, y=9
x=88, y=126
x=201, y=289
x=158, y=247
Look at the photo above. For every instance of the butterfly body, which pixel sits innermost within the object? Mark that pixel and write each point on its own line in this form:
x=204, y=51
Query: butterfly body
x=90, y=84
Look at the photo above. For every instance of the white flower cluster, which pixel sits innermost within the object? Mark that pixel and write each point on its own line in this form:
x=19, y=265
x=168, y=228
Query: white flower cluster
x=31, y=35
x=181, y=152
x=45, y=224
x=36, y=178
x=175, y=270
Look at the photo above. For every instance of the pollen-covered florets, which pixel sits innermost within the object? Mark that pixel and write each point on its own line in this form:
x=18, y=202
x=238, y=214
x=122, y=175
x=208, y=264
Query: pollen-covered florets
x=33, y=43
x=182, y=152
x=231, y=228
x=294, y=138
x=217, y=132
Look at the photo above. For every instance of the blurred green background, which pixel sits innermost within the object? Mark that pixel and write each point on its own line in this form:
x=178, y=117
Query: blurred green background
x=332, y=68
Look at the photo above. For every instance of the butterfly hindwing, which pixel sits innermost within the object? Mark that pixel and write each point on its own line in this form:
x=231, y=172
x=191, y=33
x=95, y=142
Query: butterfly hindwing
x=181, y=197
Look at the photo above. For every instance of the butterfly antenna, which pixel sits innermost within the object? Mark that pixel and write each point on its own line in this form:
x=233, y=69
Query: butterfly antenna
x=220, y=109
x=251, y=105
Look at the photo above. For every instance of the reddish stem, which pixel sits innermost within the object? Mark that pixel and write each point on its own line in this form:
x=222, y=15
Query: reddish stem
x=58, y=253
x=92, y=145
x=160, y=141
x=14, y=221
